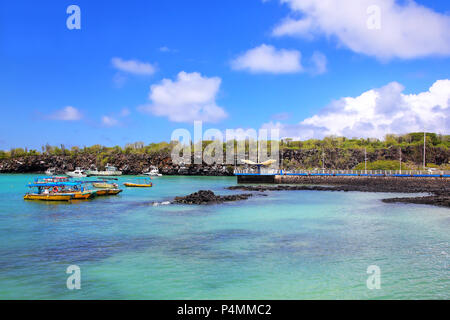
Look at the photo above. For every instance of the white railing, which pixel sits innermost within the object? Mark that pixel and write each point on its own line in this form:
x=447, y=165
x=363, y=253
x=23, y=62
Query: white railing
x=267, y=171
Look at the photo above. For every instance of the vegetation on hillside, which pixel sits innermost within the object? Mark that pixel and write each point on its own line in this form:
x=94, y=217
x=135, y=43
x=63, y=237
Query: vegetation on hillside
x=102, y=152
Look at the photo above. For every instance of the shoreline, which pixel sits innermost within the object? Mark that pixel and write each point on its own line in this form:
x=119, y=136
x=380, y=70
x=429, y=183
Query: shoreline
x=438, y=190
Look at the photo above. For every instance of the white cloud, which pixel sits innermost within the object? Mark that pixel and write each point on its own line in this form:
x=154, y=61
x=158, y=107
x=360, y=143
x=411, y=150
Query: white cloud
x=109, y=121
x=267, y=59
x=125, y=112
x=292, y=27
x=112, y=119
x=377, y=112
x=133, y=66
x=68, y=113
x=319, y=63
x=190, y=97
x=408, y=30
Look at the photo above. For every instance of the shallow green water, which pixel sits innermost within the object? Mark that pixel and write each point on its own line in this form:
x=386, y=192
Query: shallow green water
x=288, y=245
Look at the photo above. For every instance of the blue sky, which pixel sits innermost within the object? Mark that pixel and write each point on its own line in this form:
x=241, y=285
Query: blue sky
x=62, y=86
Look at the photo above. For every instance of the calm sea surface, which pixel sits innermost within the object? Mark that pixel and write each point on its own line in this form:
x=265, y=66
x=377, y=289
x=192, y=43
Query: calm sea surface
x=288, y=245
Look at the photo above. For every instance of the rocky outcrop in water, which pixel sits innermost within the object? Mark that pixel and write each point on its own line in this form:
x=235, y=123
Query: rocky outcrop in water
x=440, y=192
x=208, y=197
x=437, y=200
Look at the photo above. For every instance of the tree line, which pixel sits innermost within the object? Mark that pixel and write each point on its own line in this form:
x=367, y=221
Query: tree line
x=330, y=142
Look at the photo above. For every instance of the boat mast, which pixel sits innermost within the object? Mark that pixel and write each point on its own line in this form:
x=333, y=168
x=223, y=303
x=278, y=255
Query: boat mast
x=400, y=160
x=365, y=160
x=424, y=148
x=323, y=159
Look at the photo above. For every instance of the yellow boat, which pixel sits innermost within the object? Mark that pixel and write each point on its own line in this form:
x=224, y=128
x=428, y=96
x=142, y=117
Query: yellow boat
x=104, y=185
x=48, y=197
x=108, y=192
x=138, y=185
x=84, y=194
x=59, y=191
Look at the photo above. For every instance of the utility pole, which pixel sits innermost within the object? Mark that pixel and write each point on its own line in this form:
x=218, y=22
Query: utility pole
x=424, y=148
x=365, y=160
x=323, y=159
x=400, y=160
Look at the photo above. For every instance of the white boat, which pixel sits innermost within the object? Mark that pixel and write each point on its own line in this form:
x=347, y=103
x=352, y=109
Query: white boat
x=154, y=172
x=77, y=173
x=50, y=171
x=109, y=171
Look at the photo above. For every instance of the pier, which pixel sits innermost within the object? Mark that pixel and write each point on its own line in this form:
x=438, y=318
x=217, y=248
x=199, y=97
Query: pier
x=266, y=175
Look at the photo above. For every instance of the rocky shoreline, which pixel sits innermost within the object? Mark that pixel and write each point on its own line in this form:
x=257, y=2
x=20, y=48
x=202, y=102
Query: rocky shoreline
x=136, y=163
x=436, y=200
x=440, y=196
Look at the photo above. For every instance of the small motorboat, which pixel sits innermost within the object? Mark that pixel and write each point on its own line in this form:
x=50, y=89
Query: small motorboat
x=77, y=173
x=108, y=192
x=109, y=171
x=153, y=172
x=105, y=185
x=139, y=183
x=50, y=171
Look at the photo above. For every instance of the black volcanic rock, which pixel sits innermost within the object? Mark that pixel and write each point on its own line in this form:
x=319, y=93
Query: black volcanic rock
x=437, y=200
x=208, y=197
x=440, y=195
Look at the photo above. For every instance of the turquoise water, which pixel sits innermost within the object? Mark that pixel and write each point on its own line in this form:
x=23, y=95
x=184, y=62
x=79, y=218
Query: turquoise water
x=288, y=245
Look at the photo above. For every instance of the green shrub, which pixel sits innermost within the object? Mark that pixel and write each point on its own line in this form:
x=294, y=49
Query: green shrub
x=382, y=165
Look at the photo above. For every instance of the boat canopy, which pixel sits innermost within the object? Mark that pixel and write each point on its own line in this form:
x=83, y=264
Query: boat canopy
x=54, y=184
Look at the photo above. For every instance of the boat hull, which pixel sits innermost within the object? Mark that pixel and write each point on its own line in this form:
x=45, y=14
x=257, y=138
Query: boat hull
x=48, y=197
x=103, y=185
x=104, y=173
x=108, y=192
x=75, y=175
x=84, y=195
x=137, y=185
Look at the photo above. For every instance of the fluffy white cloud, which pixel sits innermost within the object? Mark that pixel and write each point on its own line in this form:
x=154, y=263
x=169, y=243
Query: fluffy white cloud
x=408, y=30
x=109, y=121
x=267, y=59
x=68, y=113
x=133, y=66
x=115, y=119
x=319, y=63
x=376, y=113
x=190, y=97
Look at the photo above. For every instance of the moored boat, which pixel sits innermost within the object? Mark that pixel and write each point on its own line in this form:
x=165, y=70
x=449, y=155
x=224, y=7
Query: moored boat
x=48, y=197
x=108, y=192
x=109, y=171
x=104, y=185
x=153, y=172
x=50, y=171
x=77, y=173
x=139, y=183
x=86, y=194
x=59, y=191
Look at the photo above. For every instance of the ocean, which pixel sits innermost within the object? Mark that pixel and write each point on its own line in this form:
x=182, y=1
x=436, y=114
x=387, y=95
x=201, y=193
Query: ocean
x=286, y=245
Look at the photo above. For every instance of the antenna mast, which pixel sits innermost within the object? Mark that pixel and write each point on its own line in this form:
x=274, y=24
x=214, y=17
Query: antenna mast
x=365, y=160
x=424, y=148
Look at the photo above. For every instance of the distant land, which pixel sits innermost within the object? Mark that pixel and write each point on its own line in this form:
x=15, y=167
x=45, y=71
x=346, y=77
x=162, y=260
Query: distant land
x=337, y=153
